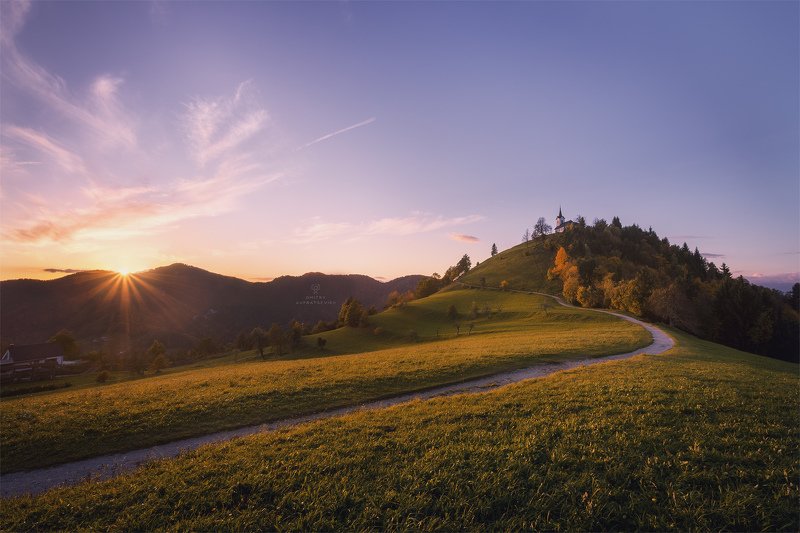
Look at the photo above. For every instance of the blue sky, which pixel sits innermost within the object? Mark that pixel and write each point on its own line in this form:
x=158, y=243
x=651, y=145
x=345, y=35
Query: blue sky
x=258, y=139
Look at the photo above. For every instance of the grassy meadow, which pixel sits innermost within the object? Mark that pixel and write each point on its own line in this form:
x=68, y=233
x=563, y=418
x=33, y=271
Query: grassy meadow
x=524, y=267
x=701, y=438
x=520, y=330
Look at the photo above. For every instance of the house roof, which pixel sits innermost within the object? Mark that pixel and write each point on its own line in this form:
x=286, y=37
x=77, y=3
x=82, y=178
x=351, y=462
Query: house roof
x=565, y=224
x=31, y=352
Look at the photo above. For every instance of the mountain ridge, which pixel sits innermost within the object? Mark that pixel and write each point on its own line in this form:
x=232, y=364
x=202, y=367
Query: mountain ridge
x=177, y=303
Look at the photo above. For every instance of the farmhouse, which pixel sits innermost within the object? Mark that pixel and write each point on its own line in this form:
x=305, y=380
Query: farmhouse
x=562, y=223
x=31, y=361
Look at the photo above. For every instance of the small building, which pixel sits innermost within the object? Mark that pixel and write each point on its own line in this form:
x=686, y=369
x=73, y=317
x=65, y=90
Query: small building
x=31, y=361
x=562, y=223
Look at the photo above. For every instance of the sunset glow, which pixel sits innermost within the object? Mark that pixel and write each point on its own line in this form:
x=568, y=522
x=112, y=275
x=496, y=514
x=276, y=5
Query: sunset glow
x=280, y=138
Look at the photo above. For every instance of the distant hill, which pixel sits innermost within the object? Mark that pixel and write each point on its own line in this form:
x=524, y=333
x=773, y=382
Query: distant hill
x=177, y=304
x=633, y=270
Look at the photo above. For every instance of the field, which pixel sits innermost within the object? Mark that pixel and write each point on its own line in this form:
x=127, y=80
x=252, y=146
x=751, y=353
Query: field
x=701, y=438
x=524, y=267
x=520, y=330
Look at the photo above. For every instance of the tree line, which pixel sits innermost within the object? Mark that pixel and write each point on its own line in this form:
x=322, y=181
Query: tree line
x=631, y=269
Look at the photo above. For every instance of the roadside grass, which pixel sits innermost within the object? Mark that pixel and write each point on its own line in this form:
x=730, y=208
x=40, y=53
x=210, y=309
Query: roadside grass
x=702, y=438
x=67, y=425
x=524, y=267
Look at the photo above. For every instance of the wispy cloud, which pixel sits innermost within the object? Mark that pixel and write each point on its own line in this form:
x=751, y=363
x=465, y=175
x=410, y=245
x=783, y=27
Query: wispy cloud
x=216, y=126
x=63, y=270
x=9, y=161
x=117, y=213
x=416, y=223
x=50, y=88
x=338, y=132
x=464, y=238
x=712, y=256
x=47, y=146
x=114, y=208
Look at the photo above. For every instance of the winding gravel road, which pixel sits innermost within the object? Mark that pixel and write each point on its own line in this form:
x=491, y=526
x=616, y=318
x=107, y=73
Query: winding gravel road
x=107, y=466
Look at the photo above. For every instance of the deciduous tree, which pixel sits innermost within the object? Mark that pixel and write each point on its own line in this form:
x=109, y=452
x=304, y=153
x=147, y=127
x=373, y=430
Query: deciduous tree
x=259, y=339
x=541, y=228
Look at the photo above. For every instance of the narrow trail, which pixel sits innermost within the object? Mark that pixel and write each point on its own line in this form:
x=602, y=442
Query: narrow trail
x=107, y=466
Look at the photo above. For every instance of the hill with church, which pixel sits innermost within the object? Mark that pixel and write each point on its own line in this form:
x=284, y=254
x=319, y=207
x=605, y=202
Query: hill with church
x=627, y=268
x=700, y=436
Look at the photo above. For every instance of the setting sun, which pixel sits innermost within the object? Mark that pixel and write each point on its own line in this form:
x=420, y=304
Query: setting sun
x=123, y=271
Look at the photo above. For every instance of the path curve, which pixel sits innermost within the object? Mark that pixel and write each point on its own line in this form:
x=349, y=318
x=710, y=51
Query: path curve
x=107, y=466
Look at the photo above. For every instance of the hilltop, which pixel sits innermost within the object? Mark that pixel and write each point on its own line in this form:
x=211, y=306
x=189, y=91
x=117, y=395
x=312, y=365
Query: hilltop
x=633, y=270
x=178, y=304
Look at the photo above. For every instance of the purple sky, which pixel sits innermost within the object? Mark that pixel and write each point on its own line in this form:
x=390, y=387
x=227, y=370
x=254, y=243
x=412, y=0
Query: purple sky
x=258, y=139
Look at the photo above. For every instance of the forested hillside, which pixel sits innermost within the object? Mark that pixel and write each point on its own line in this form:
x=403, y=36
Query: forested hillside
x=178, y=304
x=633, y=270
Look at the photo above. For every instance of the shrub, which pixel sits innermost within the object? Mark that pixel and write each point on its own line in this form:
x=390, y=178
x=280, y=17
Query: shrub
x=452, y=312
x=102, y=377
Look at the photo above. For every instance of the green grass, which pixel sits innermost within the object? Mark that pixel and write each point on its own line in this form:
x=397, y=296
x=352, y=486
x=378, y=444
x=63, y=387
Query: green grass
x=524, y=267
x=428, y=319
x=704, y=438
x=56, y=427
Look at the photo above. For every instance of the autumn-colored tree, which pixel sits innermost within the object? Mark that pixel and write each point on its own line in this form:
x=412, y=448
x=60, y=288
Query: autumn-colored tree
x=589, y=296
x=571, y=283
x=561, y=262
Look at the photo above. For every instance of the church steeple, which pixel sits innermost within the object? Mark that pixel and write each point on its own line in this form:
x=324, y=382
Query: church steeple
x=560, y=218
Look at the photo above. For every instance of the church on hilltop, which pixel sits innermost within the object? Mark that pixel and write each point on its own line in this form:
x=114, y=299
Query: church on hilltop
x=562, y=223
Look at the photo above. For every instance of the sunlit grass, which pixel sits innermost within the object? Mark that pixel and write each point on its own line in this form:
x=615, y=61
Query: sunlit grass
x=524, y=267
x=703, y=438
x=62, y=426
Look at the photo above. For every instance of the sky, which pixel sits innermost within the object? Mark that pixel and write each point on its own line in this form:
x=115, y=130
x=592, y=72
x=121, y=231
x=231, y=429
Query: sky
x=260, y=139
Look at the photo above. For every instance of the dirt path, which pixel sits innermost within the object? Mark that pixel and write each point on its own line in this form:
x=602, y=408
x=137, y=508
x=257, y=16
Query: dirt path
x=107, y=466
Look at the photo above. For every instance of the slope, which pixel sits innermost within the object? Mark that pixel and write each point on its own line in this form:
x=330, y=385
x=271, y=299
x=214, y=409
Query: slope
x=524, y=267
x=702, y=438
x=130, y=415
